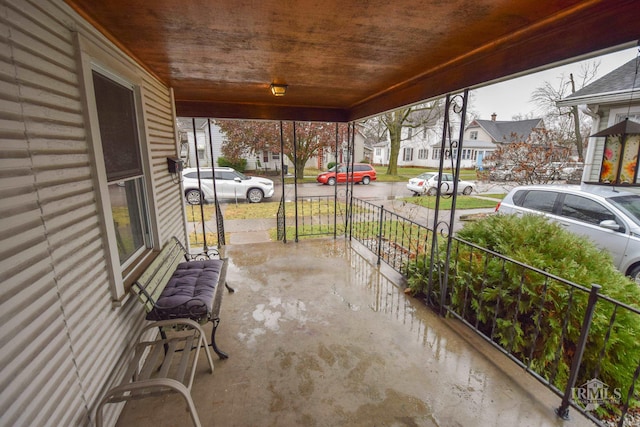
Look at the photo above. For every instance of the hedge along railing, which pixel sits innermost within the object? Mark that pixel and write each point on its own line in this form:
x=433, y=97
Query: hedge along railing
x=567, y=336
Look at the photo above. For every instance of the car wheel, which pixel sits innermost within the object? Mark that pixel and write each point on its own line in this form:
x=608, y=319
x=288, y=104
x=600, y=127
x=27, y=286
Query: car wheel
x=255, y=195
x=366, y=180
x=193, y=197
x=467, y=191
x=432, y=191
x=331, y=181
x=634, y=274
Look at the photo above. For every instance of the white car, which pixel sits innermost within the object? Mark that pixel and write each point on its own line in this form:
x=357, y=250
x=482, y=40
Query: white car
x=230, y=184
x=427, y=183
x=609, y=216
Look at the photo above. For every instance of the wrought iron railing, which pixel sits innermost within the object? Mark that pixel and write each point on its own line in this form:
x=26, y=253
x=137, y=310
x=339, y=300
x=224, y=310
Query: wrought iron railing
x=315, y=216
x=492, y=294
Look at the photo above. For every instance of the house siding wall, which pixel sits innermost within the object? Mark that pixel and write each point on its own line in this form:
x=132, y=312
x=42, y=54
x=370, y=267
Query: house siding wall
x=593, y=169
x=63, y=341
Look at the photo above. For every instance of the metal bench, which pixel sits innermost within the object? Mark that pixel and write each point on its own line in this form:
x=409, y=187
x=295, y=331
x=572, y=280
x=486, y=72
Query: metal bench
x=179, y=292
x=178, y=285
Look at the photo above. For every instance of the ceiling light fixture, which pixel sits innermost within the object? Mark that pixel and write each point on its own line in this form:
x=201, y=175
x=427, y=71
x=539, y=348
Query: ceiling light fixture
x=278, y=89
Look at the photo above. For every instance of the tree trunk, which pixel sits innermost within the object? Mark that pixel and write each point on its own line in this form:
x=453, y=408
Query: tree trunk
x=394, y=126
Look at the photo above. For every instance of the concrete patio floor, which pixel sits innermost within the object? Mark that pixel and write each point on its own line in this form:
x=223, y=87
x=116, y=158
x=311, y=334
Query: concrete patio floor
x=318, y=335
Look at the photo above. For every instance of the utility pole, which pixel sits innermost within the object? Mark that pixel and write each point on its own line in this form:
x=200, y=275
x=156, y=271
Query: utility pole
x=576, y=122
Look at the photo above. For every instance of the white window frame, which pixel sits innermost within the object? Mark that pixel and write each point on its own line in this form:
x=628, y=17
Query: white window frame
x=407, y=154
x=102, y=57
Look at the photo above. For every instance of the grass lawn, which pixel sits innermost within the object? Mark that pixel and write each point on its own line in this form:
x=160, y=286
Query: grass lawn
x=462, y=202
x=260, y=210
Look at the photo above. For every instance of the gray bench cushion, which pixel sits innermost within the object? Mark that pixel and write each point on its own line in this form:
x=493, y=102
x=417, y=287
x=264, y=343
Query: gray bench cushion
x=190, y=292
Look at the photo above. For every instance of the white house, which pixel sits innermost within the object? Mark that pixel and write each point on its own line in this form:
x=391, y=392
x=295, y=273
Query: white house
x=481, y=138
x=416, y=148
x=209, y=141
x=609, y=101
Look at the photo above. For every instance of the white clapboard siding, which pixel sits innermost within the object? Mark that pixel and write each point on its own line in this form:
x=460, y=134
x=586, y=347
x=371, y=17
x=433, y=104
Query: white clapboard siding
x=160, y=129
x=63, y=341
x=598, y=148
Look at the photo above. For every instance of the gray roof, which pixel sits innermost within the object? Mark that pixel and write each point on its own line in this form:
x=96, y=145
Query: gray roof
x=502, y=131
x=622, y=78
x=612, y=87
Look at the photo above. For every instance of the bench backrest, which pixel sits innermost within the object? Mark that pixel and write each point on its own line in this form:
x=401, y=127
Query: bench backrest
x=153, y=280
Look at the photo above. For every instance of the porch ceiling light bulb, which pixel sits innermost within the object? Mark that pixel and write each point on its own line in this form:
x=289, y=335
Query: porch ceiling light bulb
x=278, y=89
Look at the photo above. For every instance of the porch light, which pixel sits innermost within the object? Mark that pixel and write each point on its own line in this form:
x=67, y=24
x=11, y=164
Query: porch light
x=278, y=89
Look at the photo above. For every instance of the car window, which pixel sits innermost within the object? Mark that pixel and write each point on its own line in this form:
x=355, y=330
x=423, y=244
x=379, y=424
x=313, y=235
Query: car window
x=629, y=205
x=225, y=175
x=205, y=174
x=191, y=175
x=539, y=200
x=587, y=210
x=447, y=177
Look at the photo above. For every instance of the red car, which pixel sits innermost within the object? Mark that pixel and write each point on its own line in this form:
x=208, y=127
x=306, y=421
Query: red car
x=362, y=172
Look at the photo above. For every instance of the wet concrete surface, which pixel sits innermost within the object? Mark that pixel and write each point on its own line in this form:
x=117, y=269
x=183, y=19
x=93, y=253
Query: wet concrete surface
x=318, y=335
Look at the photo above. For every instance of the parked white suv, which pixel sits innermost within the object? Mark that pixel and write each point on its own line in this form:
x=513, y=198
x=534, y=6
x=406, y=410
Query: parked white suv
x=609, y=217
x=230, y=184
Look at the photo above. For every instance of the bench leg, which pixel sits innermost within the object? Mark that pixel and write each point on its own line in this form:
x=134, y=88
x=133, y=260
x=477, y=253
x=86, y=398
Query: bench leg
x=221, y=354
x=229, y=288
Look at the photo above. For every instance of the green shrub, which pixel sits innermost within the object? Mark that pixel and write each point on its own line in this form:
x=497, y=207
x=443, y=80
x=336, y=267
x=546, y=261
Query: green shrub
x=524, y=312
x=238, y=164
x=330, y=165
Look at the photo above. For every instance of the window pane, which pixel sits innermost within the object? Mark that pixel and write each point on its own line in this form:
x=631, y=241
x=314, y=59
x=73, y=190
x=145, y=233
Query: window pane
x=127, y=209
x=540, y=200
x=586, y=210
x=118, y=130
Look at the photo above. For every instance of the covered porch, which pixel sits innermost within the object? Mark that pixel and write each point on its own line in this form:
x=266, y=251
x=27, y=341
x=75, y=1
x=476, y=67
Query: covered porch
x=331, y=339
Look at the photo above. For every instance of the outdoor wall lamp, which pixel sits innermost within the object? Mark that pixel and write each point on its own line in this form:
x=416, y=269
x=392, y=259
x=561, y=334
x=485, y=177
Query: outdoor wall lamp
x=278, y=89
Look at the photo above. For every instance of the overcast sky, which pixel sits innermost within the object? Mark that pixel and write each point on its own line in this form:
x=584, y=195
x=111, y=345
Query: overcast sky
x=510, y=98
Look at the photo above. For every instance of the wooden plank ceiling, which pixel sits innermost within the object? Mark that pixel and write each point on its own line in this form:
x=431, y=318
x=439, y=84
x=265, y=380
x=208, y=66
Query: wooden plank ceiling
x=348, y=59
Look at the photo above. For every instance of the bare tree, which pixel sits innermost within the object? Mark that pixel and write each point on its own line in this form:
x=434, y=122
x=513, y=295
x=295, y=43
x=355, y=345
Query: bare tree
x=420, y=116
x=247, y=137
x=537, y=160
x=568, y=122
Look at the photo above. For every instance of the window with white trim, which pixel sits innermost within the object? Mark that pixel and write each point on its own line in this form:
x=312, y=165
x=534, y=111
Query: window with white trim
x=407, y=154
x=117, y=121
x=423, y=153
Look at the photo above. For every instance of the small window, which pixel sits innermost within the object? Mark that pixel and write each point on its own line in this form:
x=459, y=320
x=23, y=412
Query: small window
x=473, y=134
x=543, y=201
x=587, y=210
x=407, y=154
